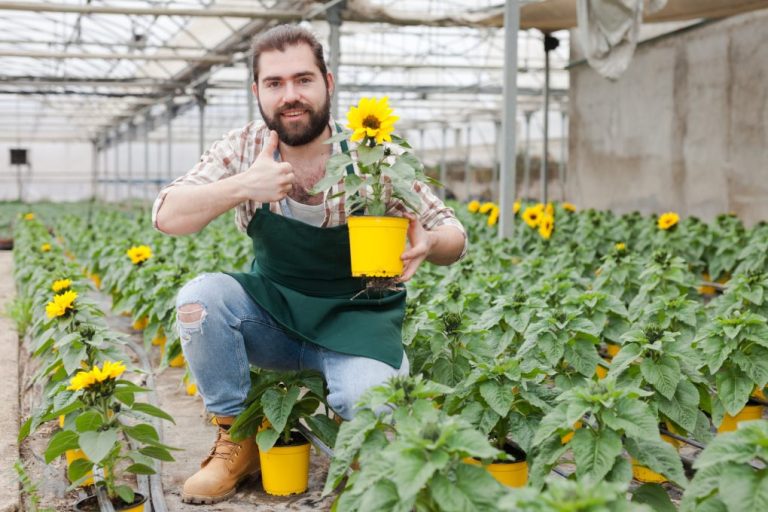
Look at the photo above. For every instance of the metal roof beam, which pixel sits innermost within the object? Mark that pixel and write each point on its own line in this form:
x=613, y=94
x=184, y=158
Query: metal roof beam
x=216, y=59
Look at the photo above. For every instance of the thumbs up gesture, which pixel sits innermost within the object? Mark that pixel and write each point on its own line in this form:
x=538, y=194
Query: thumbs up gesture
x=268, y=181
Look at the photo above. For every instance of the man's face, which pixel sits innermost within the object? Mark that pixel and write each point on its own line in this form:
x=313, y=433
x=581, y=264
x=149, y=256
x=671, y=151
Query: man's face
x=293, y=98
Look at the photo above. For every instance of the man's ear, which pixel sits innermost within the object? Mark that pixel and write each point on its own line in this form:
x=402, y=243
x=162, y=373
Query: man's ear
x=255, y=89
x=331, y=83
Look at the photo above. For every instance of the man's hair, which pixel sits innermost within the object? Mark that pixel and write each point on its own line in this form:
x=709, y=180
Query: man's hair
x=281, y=36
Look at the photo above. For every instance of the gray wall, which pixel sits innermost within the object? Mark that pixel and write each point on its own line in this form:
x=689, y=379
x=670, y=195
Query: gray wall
x=684, y=129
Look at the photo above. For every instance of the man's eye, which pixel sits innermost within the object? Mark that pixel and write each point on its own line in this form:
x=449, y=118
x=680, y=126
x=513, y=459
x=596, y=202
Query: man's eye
x=272, y=84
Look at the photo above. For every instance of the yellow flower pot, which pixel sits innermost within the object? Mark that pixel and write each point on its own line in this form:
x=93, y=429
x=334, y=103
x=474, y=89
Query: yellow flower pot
x=285, y=469
x=612, y=349
x=177, y=362
x=376, y=244
x=511, y=474
x=749, y=412
x=645, y=475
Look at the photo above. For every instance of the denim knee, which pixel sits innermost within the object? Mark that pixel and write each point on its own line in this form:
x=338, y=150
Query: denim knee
x=197, y=298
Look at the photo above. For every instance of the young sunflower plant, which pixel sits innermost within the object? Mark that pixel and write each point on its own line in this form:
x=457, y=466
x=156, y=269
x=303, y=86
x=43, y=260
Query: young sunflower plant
x=388, y=170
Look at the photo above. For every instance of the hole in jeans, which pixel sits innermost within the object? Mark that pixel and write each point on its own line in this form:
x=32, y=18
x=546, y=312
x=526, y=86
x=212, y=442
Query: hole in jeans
x=190, y=319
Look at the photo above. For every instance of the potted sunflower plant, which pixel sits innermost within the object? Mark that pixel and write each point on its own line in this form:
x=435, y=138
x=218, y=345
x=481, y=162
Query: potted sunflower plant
x=103, y=401
x=384, y=188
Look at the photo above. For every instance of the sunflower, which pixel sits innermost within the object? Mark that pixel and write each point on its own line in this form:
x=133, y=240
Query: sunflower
x=532, y=215
x=620, y=246
x=667, y=220
x=61, y=304
x=516, y=207
x=493, y=217
x=546, y=226
x=569, y=207
x=487, y=207
x=139, y=254
x=550, y=209
x=85, y=379
x=29, y=216
x=45, y=247
x=61, y=285
x=473, y=206
x=372, y=118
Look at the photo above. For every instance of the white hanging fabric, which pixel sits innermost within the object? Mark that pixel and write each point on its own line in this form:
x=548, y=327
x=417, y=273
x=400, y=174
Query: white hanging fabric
x=608, y=31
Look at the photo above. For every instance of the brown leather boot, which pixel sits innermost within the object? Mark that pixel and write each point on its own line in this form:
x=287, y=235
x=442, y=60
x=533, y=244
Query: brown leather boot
x=228, y=464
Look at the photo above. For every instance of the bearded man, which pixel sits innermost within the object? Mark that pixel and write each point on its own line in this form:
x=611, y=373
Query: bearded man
x=285, y=314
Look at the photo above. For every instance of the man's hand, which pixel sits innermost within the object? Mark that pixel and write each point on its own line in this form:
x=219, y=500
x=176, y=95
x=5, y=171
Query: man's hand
x=421, y=242
x=267, y=181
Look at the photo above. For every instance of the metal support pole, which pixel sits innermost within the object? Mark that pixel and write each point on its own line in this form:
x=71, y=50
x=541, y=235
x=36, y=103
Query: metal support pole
x=563, y=144
x=169, y=137
x=105, y=166
x=129, y=174
x=545, y=141
x=249, y=90
x=508, y=185
x=527, y=165
x=200, y=97
x=443, y=166
x=145, y=194
x=94, y=167
x=116, y=180
x=496, y=158
x=550, y=43
x=467, y=165
x=334, y=44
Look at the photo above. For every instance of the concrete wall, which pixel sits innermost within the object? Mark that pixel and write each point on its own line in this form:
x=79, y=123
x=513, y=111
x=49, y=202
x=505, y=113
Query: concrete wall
x=685, y=128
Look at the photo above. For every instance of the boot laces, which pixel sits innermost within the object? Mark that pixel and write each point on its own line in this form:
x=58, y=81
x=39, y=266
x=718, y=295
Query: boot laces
x=224, y=447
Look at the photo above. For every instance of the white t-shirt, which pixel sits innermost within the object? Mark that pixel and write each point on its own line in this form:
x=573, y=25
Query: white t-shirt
x=309, y=214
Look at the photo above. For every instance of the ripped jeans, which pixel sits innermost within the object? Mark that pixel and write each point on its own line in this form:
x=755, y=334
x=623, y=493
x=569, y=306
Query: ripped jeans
x=222, y=330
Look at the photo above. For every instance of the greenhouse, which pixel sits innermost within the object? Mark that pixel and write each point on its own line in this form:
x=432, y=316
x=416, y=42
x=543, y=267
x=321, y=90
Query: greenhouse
x=384, y=255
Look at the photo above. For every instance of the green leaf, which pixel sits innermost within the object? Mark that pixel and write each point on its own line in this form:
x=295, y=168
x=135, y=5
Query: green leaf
x=61, y=441
x=583, y=357
x=551, y=423
x=663, y=374
x=626, y=356
x=413, y=471
x=733, y=389
x=152, y=411
x=743, y=489
x=267, y=438
x=659, y=456
x=324, y=428
x=143, y=433
x=156, y=452
x=89, y=420
x=632, y=416
x=368, y=156
x=655, y=497
x=140, y=469
x=683, y=408
x=126, y=493
x=477, y=485
x=78, y=469
x=595, y=452
x=472, y=443
x=338, y=137
x=497, y=396
x=728, y=447
x=97, y=445
x=380, y=497
x=278, y=405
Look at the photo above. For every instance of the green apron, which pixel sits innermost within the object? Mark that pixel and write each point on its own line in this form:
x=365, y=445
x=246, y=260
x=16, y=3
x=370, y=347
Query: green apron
x=301, y=275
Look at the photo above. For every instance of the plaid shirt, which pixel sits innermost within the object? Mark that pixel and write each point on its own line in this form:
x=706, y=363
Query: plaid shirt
x=237, y=151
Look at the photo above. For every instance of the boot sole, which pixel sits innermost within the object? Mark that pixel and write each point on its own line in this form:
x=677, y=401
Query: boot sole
x=195, y=499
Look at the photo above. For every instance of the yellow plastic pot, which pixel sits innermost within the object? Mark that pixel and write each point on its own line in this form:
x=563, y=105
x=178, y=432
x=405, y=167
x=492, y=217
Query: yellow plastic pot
x=511, y=474
x=177, y=362
x=285, y=469
x=159, y=339
x=376, y=244
x=612, y=349
x=645, y=475
x=92, y=503
x=749, y=412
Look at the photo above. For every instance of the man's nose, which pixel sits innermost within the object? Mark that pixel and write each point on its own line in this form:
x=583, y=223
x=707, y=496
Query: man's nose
x=290, y=94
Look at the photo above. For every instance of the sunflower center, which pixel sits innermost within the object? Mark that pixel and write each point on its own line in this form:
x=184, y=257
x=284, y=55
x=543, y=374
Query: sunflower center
x=372, y=122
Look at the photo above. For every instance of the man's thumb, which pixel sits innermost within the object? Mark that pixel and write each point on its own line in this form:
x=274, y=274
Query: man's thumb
x=270, y=145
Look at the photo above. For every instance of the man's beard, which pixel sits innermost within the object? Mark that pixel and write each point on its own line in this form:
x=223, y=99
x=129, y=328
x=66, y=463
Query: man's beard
x=318, y=122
